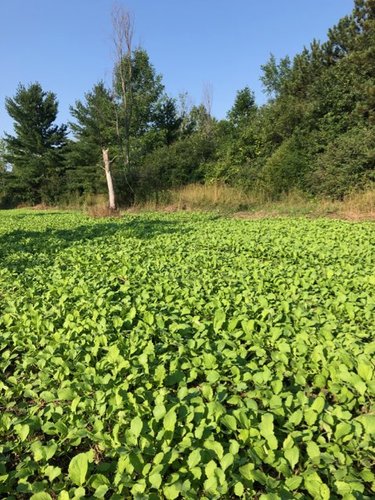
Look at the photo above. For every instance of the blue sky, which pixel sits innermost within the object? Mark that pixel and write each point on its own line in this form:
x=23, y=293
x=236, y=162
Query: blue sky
x=66, y=45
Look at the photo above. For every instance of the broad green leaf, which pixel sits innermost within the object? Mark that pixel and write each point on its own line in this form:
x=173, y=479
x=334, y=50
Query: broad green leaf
x=219, y=320
x=296, y=417
x=136, y=426
x=226, y=461
x=194, y=458
x=342, y=429
x=155, y=480
x=310, y=416
x=173, y=491
x=52, y=472
x=368, y=422
x=22, y=431
x=214, y=446
x=169, y=420
x=78, y=467
x=159, y=412
x=292, y=455
x=210, y=485
x=313, y=450
x=318, y=404
x=63, y=495
x=101, y=491
x=239, y=489
x=246, y=471
x=293, y=482
x=230, y=422
x=266, y=425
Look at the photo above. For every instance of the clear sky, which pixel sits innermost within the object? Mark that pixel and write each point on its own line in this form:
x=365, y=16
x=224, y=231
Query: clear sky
x=66, y=45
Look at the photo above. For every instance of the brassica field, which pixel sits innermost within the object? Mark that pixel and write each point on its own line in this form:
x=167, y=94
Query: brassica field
x=186, y=356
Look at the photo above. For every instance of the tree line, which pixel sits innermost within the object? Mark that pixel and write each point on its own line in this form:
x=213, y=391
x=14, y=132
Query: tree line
x=132, y=141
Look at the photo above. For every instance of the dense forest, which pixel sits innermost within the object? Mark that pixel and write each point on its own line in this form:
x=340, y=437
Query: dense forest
x=316, y=133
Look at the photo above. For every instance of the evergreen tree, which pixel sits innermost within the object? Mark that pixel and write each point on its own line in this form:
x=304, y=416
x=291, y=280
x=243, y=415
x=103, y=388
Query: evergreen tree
x=95, y=131
x=243, y=108
x=35, y=152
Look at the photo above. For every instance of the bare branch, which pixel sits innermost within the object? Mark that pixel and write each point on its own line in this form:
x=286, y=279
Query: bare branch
x=123, y=30
x=207, y=97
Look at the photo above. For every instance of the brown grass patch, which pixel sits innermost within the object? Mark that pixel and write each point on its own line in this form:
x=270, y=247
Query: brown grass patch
x=101, y=211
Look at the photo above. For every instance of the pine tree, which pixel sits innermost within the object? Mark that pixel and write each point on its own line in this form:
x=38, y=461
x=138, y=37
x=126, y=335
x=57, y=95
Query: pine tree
x=35, y=152
x=95, y=130
x=243, y=108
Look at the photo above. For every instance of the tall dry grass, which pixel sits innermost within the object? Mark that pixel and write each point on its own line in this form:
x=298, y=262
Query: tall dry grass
x=227, y=199
x=216, y=196
x=359, y=205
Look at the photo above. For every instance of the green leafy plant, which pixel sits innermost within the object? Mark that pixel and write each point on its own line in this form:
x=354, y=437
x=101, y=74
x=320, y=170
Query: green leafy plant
x=185, y=356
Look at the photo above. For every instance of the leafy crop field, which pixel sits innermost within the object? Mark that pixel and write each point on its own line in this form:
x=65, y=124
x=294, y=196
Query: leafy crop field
x=186, y=356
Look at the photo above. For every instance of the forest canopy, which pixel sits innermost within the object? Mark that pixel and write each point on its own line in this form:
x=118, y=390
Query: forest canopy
x=315, y=133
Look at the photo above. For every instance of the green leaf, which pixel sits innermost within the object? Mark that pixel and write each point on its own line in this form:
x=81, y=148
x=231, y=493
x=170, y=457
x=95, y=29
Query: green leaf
x=368, y=422
x=293, y=482
x=266, y=430
x=78, y=469
x=226, y=461
x=239, y=489
x=230, y=422
x=318, y=404
x=169, y=420
x=52, y=472
x=210, y=468
x=219, y=320
x=98, y=480
x=246, y=471
x=136, y=426
x=173, y=491
x=292, y=455
x=66, y=394
x=194, y=458
x=210, y=485
x=342, y=429
x=101, y=491
x=266, y=425
x=41, y=496
x=313, y=450
x=214, y=446
x=64, y=495
x=22, y=431
x=317, y=489
x=159, y=412
x=296, y=417
x=209, y=361
x=310, y=416
x=155, y=480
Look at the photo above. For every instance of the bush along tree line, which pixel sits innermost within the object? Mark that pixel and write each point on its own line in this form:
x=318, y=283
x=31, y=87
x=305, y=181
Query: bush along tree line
x=132, y=141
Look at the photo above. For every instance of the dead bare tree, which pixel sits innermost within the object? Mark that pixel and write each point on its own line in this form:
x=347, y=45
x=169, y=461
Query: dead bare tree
x=123, y=30
x=207, y=99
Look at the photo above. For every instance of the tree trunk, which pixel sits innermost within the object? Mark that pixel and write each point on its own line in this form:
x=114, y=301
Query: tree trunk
x=108, y=176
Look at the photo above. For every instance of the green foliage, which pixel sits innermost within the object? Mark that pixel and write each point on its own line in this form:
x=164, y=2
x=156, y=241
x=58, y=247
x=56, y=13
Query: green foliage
x=138, y=90
x=243, y=108
x=275, y=75
x=185, y=356
x=35, y=151
x=313, y=134
x=95, y=118
x=285, y=168
x=347, y=161
x=175, y=165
